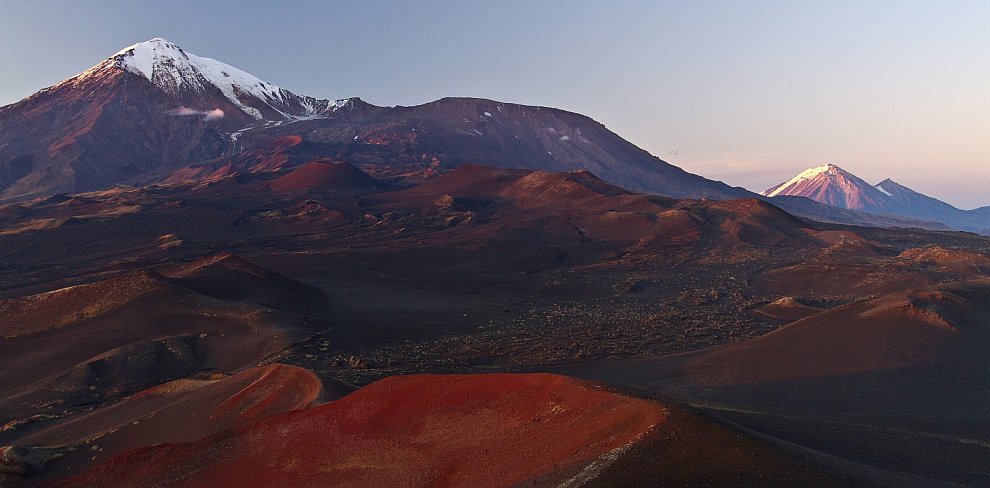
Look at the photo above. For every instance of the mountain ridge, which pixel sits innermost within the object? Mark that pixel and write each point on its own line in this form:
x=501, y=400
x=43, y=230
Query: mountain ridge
x=154, y=108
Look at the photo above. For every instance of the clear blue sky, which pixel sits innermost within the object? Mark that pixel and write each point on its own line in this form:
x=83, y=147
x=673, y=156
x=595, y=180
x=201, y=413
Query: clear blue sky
x=749, y=92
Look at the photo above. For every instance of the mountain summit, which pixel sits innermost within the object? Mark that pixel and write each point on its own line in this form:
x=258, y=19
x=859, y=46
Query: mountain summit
x=832, y=185
x=183, y=74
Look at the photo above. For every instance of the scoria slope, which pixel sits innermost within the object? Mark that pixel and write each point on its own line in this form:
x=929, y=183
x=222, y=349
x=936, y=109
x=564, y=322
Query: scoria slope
x=494, y=430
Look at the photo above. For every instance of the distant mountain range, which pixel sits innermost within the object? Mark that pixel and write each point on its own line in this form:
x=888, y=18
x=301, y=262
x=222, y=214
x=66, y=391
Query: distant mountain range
x=153, y=109
x=834, y=186
x=154, y=113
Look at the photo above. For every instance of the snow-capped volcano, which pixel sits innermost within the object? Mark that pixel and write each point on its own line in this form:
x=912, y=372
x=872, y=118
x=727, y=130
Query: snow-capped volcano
x=143, y=112
x=182, y=74
x=832, y=185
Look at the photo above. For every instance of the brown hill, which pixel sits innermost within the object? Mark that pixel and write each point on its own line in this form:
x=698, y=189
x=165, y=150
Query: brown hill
x=324, y=175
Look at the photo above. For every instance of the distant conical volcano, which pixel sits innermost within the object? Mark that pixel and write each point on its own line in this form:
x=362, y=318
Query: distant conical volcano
x=832, y=185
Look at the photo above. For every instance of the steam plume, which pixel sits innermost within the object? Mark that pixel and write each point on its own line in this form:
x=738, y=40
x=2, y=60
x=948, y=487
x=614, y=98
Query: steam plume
x=207, y=115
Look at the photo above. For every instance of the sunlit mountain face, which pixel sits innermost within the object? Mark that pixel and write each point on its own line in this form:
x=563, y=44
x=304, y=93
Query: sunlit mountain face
x=834, y=186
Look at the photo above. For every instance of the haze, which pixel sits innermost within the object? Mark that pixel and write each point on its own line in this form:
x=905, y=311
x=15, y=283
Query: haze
x=749, y=94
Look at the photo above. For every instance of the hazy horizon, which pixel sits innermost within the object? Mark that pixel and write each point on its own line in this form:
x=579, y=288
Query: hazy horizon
x=747, y=94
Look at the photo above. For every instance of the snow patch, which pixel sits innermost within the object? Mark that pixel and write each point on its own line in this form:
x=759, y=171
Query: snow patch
x=885, y=192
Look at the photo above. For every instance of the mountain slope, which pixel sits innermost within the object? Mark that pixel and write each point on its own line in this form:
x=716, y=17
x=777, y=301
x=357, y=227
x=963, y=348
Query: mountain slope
x=414, y=143
x=926, y=207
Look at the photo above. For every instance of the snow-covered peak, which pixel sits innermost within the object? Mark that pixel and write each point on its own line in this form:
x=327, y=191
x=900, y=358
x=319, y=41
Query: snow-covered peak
x=178, y=72
x=142, y=57
x=832, y=185
x=825, y=169
x=828, y=170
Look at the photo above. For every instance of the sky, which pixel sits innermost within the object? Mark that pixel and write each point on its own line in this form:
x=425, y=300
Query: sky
x=747, y=92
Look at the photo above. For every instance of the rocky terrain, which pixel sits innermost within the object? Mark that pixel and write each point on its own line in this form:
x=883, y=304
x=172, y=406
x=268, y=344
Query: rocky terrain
x=476, y=270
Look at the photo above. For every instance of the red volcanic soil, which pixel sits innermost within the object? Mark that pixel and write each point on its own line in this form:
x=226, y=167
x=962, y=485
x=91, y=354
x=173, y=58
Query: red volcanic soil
x=323, y=175
x=470, y=180
x=752, y=221
x=179, y=411
x=523, y=188
x=422, y=430
x=475, y=430
x=852, y=266
x=60, y=308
